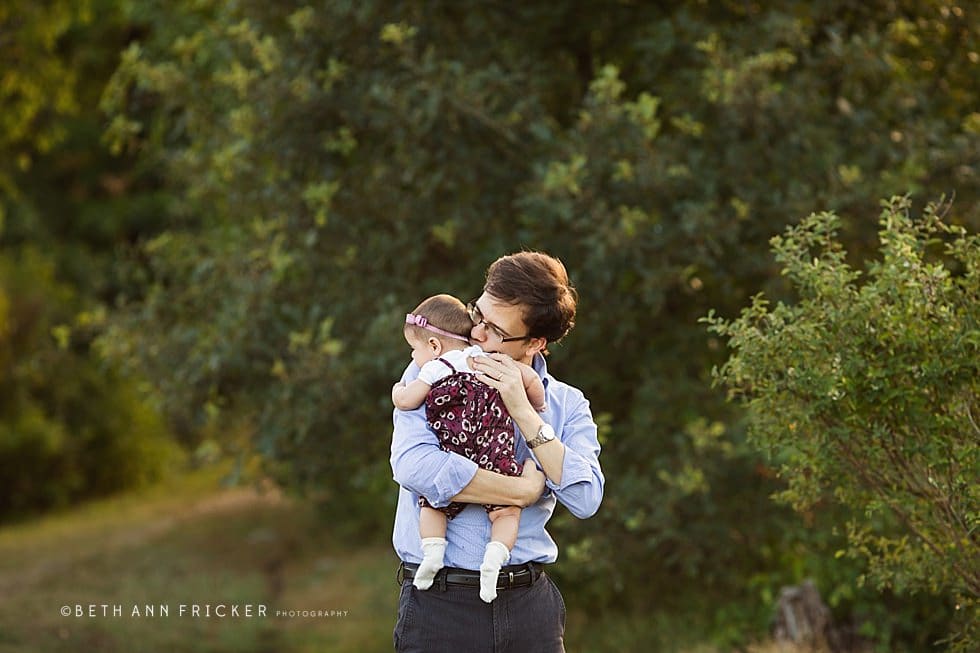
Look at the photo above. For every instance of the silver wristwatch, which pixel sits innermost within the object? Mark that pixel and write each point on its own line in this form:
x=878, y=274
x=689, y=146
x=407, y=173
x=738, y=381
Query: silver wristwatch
x=545, y=434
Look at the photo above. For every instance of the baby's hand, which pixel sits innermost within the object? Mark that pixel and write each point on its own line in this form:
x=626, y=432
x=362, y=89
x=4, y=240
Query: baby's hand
x=394, y=388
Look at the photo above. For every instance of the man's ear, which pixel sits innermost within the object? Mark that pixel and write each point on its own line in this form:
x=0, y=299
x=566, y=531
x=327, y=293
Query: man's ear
x=434, y=345
x=534, y=346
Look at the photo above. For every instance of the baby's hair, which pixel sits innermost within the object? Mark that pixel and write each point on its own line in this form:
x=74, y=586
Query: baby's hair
x=445, y=312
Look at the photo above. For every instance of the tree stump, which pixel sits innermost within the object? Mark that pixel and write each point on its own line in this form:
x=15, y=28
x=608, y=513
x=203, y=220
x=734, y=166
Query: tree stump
x=803, y=619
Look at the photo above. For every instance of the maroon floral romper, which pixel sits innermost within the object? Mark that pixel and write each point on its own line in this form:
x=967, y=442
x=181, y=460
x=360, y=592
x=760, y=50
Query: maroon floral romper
x=470, y=419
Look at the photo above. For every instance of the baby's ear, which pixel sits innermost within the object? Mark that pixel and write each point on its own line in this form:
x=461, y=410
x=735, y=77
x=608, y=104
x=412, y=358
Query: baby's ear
x=435, y=346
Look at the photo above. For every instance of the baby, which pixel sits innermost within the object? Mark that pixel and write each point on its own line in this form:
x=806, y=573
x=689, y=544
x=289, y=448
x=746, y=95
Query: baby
x=470, y=419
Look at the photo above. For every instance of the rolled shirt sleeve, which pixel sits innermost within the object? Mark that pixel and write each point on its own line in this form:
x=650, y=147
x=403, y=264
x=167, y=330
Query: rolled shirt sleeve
x=582, y=482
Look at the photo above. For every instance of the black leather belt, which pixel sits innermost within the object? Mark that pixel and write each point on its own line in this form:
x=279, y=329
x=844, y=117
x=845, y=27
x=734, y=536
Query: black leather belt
x=510, y=576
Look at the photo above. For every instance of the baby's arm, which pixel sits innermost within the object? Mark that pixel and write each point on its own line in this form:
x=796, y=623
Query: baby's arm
x=411, y=396
x=533, y=386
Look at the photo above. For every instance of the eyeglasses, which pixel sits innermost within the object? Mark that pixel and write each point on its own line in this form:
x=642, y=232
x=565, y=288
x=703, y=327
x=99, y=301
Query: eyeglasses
x=476, y=316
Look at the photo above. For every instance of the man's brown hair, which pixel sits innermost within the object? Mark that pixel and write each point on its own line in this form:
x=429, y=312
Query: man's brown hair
x=540, y=283
x=443, y=311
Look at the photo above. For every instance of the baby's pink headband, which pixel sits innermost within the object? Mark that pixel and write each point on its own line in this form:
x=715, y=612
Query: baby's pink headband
x=420, y=321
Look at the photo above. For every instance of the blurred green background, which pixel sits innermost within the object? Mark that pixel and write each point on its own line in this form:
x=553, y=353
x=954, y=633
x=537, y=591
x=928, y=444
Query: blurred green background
x=214, y=216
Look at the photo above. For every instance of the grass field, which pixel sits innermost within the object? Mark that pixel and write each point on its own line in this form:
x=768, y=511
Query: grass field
x=189, y=544
x=122, y=568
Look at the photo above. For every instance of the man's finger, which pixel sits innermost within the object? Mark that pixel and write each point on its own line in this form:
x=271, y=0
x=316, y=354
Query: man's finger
x=489, y=380
x=489, y=367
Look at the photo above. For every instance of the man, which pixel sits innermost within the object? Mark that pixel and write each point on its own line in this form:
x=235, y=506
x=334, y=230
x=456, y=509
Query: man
x=527, y=303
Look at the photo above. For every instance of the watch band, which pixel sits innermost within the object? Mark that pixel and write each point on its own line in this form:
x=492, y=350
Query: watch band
x=545, y=434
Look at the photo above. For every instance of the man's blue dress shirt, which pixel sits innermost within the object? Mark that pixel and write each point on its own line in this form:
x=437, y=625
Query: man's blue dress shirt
x=421, y=467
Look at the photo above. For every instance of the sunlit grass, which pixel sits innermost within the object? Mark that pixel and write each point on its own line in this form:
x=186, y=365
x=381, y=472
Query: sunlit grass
x=185, y=543
x=193, y=542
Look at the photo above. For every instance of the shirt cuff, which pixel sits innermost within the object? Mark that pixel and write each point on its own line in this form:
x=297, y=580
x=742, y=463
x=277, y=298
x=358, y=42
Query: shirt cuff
x=574, y=469
x=451, y=479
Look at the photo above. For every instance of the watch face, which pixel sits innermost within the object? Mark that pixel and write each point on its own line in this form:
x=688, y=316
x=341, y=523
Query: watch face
x=545, y=434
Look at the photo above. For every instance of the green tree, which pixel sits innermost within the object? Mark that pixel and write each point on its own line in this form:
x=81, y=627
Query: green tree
x=37, y=85
x=868, y=393
x=333, y=163
x=70, y=426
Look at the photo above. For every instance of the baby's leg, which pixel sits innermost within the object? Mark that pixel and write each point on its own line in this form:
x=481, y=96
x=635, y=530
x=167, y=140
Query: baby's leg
x=432, y=528
x=504, y=523
x=503, y=534
x=432, y=523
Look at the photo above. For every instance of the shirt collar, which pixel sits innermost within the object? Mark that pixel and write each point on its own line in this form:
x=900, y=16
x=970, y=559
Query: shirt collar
x=540, y=365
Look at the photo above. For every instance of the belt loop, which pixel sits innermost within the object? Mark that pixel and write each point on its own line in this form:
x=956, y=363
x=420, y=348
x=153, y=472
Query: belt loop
x=441, y=577
x=510, y=580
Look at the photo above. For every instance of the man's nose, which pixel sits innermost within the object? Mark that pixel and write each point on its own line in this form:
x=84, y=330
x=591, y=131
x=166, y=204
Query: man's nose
x=479, y=337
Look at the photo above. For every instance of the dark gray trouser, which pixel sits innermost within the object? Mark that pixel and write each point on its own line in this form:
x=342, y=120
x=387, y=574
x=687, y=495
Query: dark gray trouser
x=520, y=620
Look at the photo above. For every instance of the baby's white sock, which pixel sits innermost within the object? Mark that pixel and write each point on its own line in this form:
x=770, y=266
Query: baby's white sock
x=433, y=550
x=494, y=558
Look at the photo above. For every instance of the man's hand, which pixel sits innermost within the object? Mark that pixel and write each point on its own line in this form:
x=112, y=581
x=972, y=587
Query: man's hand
x=500, y=371
x=535, y=482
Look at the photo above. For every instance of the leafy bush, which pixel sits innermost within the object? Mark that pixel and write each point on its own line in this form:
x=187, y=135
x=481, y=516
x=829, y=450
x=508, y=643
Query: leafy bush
x=866, y=390
x=70, y=427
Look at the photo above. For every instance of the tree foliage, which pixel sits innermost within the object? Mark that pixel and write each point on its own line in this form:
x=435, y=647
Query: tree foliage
x=70, y=426
x=867, y=390
x=332, y=163
x=37, y=86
